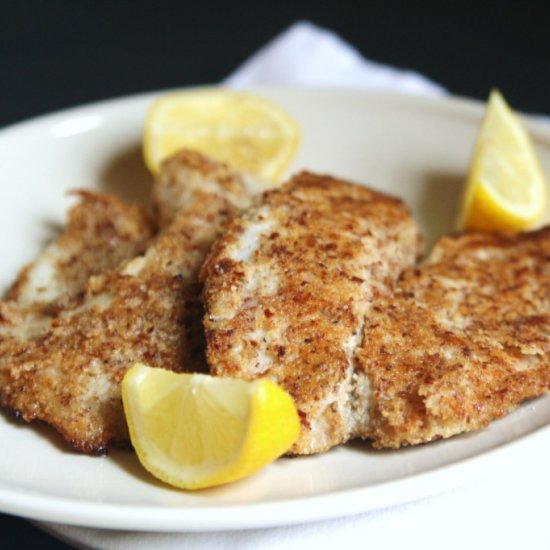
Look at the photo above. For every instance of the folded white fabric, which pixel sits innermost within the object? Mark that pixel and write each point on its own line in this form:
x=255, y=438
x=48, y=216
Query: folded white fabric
x=484, y=516
x=308, y=55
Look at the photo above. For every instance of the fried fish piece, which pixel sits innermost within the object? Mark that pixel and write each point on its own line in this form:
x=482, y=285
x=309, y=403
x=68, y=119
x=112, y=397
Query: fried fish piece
x=287, y=288
x=101, y=232
x=147, y=310
x=463, y=340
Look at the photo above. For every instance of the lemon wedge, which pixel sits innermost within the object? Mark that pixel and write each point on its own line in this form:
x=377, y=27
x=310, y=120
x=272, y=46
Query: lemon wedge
x=248, y=132
x=506, y=189
x=194, y=431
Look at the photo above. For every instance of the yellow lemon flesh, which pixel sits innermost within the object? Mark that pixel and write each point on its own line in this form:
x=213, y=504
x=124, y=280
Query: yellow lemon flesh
x=506, y=189
x=194, y=431
x=250, y=133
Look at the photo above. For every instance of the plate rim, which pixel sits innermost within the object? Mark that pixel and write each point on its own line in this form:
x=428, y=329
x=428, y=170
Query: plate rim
x=463, y=472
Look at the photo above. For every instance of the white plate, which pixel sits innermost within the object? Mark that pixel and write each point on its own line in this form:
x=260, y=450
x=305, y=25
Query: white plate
x=416, y=148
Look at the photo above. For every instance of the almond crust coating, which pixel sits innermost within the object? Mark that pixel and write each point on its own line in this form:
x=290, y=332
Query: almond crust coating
x=287, y=287
x=463, y=341
x=102, y=232
x=148, y=310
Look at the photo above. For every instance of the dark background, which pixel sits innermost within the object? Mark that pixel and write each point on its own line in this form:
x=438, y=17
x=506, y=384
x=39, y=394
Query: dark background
x=59, y=53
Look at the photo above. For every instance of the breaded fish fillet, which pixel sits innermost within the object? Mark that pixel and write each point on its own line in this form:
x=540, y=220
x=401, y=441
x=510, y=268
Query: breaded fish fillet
x=287, y=288
x=148, y=310
x=101, y=232
x=463, y=340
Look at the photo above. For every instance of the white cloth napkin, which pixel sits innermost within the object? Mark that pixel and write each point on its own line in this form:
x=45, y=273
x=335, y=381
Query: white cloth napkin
x=308, y=55
x=508, y=511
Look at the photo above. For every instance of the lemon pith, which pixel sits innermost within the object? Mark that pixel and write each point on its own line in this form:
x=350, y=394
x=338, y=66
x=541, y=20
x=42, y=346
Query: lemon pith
x=506, y=187
x=194, y=431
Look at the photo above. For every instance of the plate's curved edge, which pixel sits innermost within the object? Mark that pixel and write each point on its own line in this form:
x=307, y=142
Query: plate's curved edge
x=284, y=512
x=538, y=124
x=472, y=105
x=466, y=104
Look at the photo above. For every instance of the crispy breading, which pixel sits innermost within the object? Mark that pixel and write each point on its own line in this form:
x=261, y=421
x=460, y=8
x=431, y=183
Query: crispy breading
x=287, y=288
x=147, y=310
x=463, y=340
x=101, y=232
x=314, y=287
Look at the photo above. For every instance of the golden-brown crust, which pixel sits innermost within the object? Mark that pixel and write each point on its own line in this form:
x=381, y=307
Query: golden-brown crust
x=300, y=289
x=287, y=286
x=102, y=231
x=70, y=377
x=189, y=172
x=146, y=310
x=464, y=340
